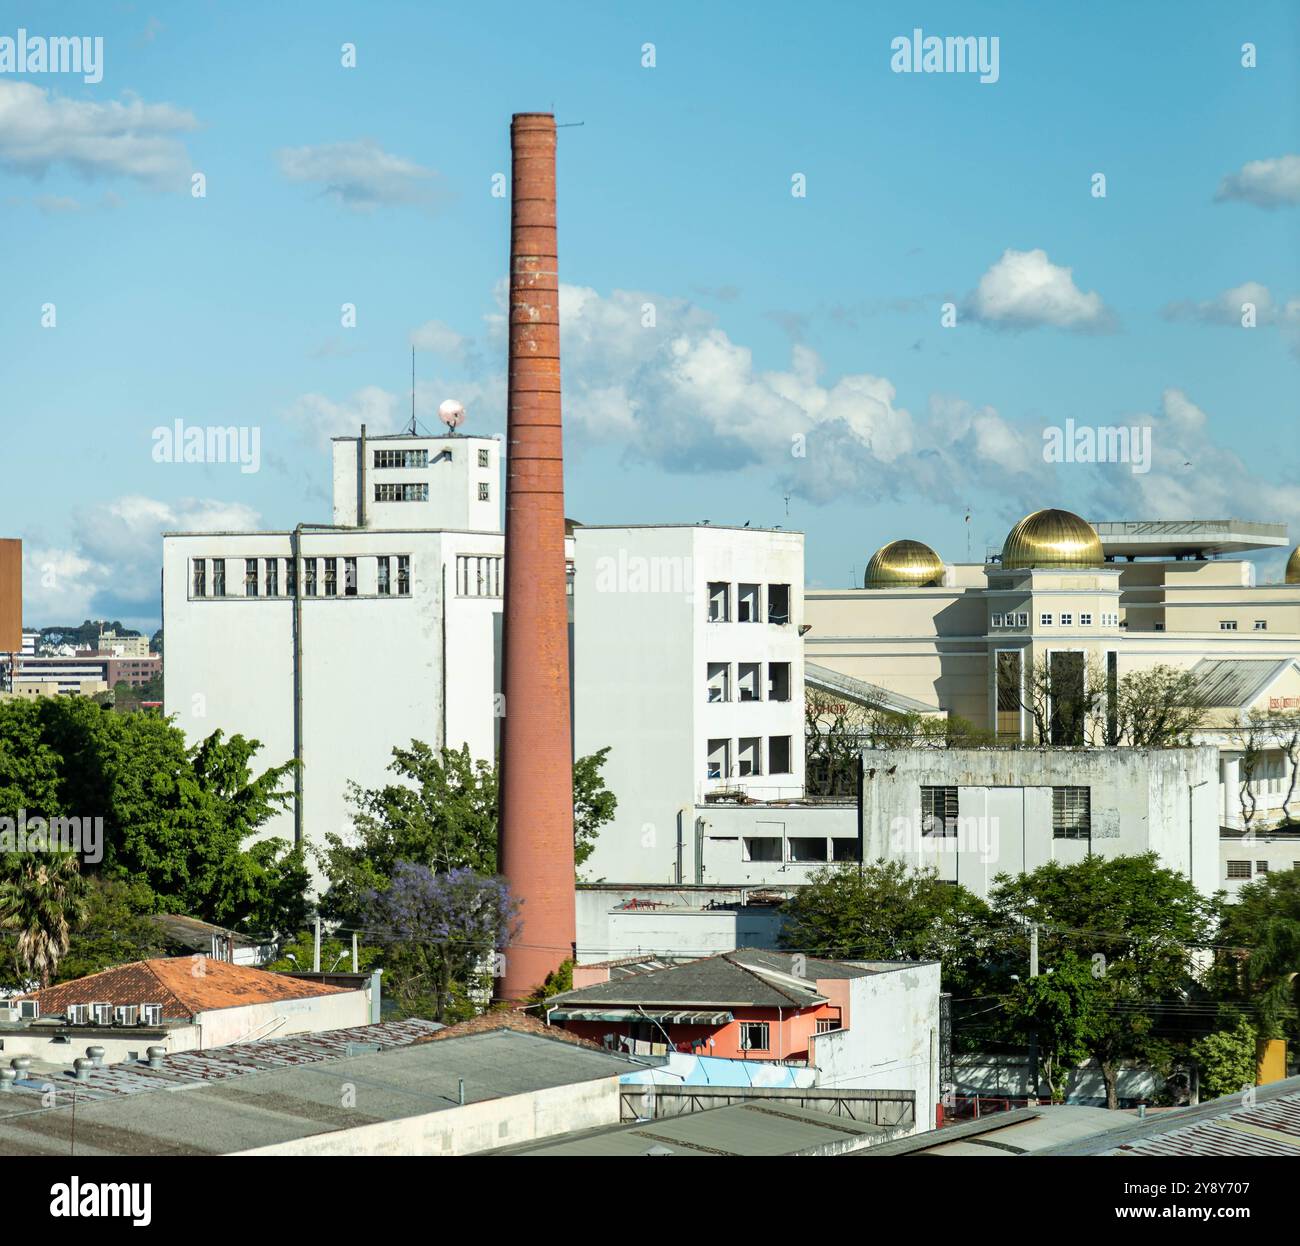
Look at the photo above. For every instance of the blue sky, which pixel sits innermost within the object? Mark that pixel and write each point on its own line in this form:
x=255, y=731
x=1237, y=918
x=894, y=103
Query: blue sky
x=780, y=321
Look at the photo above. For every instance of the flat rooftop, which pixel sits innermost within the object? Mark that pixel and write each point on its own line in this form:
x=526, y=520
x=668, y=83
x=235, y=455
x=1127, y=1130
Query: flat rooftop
x=1172, y=538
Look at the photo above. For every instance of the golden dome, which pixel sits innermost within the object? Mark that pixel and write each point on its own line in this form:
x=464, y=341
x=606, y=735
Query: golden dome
x=1293, y=567
x=1051, y=538
x=904, y=564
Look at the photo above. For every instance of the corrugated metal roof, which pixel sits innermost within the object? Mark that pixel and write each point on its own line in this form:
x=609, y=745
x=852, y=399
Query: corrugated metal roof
x=862, y=692
x=1266, y=1129
x=217, y=1064
x=1235, y=682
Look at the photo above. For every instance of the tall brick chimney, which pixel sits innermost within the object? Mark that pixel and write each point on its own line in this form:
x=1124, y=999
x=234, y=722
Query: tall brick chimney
x=536, y=742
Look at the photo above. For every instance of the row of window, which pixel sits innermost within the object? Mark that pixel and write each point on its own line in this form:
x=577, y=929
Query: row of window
x=1242, y=869
x=1046, y=619
x=321, y=577
x=748, y=682
x=420, y=458
x=1071, y=812
x=748, y=603
x=747, y=758
x=804, y=851
x=1230, y=625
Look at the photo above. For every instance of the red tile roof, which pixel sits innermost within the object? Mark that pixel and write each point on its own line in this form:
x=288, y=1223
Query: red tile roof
x=522, y=1022
x=183, y=985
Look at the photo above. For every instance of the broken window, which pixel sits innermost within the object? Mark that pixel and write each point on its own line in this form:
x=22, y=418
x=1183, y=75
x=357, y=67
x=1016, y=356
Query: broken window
x=844, y=849
x=762, y=847
x=331, y=577
x=719, y=763
x=778, y=755
x=719, y=681
x=807, y=850
x=939, y=811
x=403, y=575
x=778, y=681
x=291, y=577
x=749, y=756
x=747, y=604
x=1071, y=813
x=309, y=586
x=747, y=681
x=349, y=577
x=1238, y=869
x=218, y=577
x=754, y=1036
x=250, y=577
x=385, y=585
x=272, y=577
x=483, y=458
x=719, y=602
x=200, y=577
x=778, y=603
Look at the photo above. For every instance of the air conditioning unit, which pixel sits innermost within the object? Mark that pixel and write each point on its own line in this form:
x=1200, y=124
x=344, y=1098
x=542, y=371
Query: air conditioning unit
x=8, y=1015
x=29, y=1009
x=126, y=1014
x=101, y=1014
x=151, y=1014
x=78, y=1014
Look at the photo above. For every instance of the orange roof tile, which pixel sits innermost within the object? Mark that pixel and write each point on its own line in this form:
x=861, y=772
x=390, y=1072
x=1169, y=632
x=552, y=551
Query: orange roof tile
x=183, y=985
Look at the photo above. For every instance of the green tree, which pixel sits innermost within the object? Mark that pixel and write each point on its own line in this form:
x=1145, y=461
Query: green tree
x=1064, y=1010
x=40, y=903
x=114, y=930
x=1136, y=923
x=442, y=813
x=1260, y=970
x=1227, y=1059
x=177, y=818
x=885, y=911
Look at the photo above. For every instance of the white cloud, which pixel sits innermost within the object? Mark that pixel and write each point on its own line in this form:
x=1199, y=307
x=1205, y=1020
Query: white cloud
x=1265, y=183
x=317, y=418
x=127, y=138
x=1193, y=474
x=360, y=174
x=1024, y=289
x=110, y=568
x=1227, y=308
x=440, y=339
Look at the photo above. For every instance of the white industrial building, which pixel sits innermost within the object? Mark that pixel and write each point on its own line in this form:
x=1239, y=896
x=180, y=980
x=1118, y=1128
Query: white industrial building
x=688, y=666
x=336, y=643
x=972, y=814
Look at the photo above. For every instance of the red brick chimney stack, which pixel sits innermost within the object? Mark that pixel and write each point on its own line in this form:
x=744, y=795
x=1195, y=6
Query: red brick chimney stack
x=536, y=824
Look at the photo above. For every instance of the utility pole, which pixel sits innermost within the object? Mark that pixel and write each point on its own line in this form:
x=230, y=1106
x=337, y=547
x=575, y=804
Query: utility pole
x=1033, y=1038
x=354, y=951
x=315, y=956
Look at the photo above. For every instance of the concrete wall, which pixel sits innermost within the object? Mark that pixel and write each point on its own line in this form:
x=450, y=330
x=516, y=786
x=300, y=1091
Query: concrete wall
x=892, y=1039
x=370, y=658
x=1164, y=801
x=721, y=832
x=682, y=926
x=472, y=1128
x=223, y=1026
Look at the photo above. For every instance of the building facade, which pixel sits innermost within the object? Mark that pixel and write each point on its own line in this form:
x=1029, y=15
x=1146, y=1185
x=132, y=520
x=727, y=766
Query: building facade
x=336, y=643
x=688, y=666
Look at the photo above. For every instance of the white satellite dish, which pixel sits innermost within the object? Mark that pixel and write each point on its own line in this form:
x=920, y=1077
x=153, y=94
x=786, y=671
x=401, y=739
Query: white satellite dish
x=451, y=413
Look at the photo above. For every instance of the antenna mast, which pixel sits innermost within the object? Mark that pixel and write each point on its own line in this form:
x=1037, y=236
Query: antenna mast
x=412, y=390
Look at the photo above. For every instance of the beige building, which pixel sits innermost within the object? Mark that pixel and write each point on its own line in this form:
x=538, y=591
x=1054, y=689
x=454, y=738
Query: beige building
x=1069, y=603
